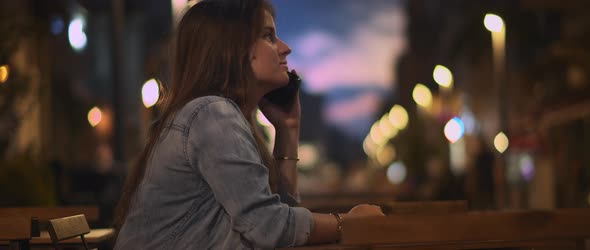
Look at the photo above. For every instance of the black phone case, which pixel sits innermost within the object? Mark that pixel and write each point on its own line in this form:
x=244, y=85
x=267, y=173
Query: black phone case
x=284, y=96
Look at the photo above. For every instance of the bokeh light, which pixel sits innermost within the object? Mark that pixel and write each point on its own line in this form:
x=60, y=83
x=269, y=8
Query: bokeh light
x=501, y=142
x=387, y=129
x=4, y=72
x=308, y=155
x=454, y=129
x=468, y=121
x=527, y=167
x=398, y=116
x=386, y=154
x=94, y=116
x=150, y=93
x=76, y=35
x=369, y=146
x=493, y=23
x=422, y=95
x=396, y=173
x=443, y=76
x=376, y=135
x=57, y=25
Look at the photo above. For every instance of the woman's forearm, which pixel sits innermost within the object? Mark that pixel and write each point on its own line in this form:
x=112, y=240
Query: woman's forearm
x=286, y=145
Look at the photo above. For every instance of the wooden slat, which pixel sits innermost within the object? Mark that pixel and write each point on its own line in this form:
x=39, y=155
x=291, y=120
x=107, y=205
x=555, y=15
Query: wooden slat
x=341, y=204
x=425, y=207
x=15, y=228
x=48, y=213
x=537, y=245
x=511, y=245
x=327, y=247
x=95, y=237
x=468, y=227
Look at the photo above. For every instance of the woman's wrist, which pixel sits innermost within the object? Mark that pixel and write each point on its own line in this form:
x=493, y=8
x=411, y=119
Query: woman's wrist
x=286, y=158
x=339, y=219
x=286, y=144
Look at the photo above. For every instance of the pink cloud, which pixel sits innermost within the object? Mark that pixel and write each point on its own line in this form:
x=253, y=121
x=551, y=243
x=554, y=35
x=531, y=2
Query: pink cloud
x=350, y=109
x=366, y=58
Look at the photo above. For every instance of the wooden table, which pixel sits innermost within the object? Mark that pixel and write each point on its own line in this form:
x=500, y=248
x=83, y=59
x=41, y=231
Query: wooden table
x=559, y=229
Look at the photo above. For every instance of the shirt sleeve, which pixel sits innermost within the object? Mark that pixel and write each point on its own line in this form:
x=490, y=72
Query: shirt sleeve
x=222, y=148
x=293, y=200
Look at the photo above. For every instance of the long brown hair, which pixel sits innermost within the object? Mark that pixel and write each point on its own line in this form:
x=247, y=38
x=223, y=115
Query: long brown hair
x=212, y=57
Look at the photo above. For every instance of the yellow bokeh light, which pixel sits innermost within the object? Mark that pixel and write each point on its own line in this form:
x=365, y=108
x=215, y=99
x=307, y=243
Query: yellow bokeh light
x=150, y=93
x=443, y=76
x=387, y=129
x=501, y=142
x=94, y=116
x=493, y=23
x=385, y=155
x=4, y=72
x=369, y=146
x=398, y=116
x=376, y=135
x=309, y=156
x=422, y=95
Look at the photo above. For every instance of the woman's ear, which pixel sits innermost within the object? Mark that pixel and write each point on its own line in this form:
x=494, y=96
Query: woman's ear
x=253, y=53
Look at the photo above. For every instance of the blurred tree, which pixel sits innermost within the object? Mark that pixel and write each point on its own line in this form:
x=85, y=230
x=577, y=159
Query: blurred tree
x=24, y=180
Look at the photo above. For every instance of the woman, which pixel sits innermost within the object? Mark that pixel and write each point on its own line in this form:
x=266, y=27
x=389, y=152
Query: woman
x=205, y=179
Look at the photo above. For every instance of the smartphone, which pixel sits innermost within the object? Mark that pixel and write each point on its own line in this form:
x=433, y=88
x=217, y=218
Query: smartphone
x=285, y=96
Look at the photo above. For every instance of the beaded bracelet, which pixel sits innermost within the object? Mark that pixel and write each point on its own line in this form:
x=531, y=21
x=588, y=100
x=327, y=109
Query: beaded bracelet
x=339, y=227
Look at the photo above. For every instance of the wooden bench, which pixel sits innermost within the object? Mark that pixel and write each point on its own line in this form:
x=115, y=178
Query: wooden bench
x=45, y=214
x=16, y=231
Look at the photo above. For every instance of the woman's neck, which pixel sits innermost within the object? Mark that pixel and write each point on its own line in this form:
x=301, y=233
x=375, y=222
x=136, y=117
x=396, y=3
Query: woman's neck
x=249, y=108
x=251, y=103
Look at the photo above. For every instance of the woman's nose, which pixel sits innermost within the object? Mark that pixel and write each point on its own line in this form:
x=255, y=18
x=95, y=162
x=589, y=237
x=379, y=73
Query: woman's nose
x=284, y=49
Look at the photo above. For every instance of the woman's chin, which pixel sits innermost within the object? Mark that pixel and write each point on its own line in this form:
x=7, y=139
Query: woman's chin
x=284, y=80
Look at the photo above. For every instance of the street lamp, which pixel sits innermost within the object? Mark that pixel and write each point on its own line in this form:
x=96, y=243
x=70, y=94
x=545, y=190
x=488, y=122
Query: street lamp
x=493, y=22
x=497, y=28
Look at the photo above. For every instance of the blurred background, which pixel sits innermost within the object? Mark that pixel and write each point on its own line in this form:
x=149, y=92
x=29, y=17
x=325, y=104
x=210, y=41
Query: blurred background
x=405, y=100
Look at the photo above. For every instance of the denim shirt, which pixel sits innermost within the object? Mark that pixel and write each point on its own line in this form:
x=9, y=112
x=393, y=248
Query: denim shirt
x=205, y=187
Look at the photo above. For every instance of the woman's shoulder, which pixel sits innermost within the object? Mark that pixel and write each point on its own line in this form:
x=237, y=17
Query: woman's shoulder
x=208, y=106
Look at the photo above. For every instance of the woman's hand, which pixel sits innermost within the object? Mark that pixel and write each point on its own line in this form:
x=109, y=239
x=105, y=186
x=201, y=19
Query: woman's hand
x=282, y=118
x=364, y=210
